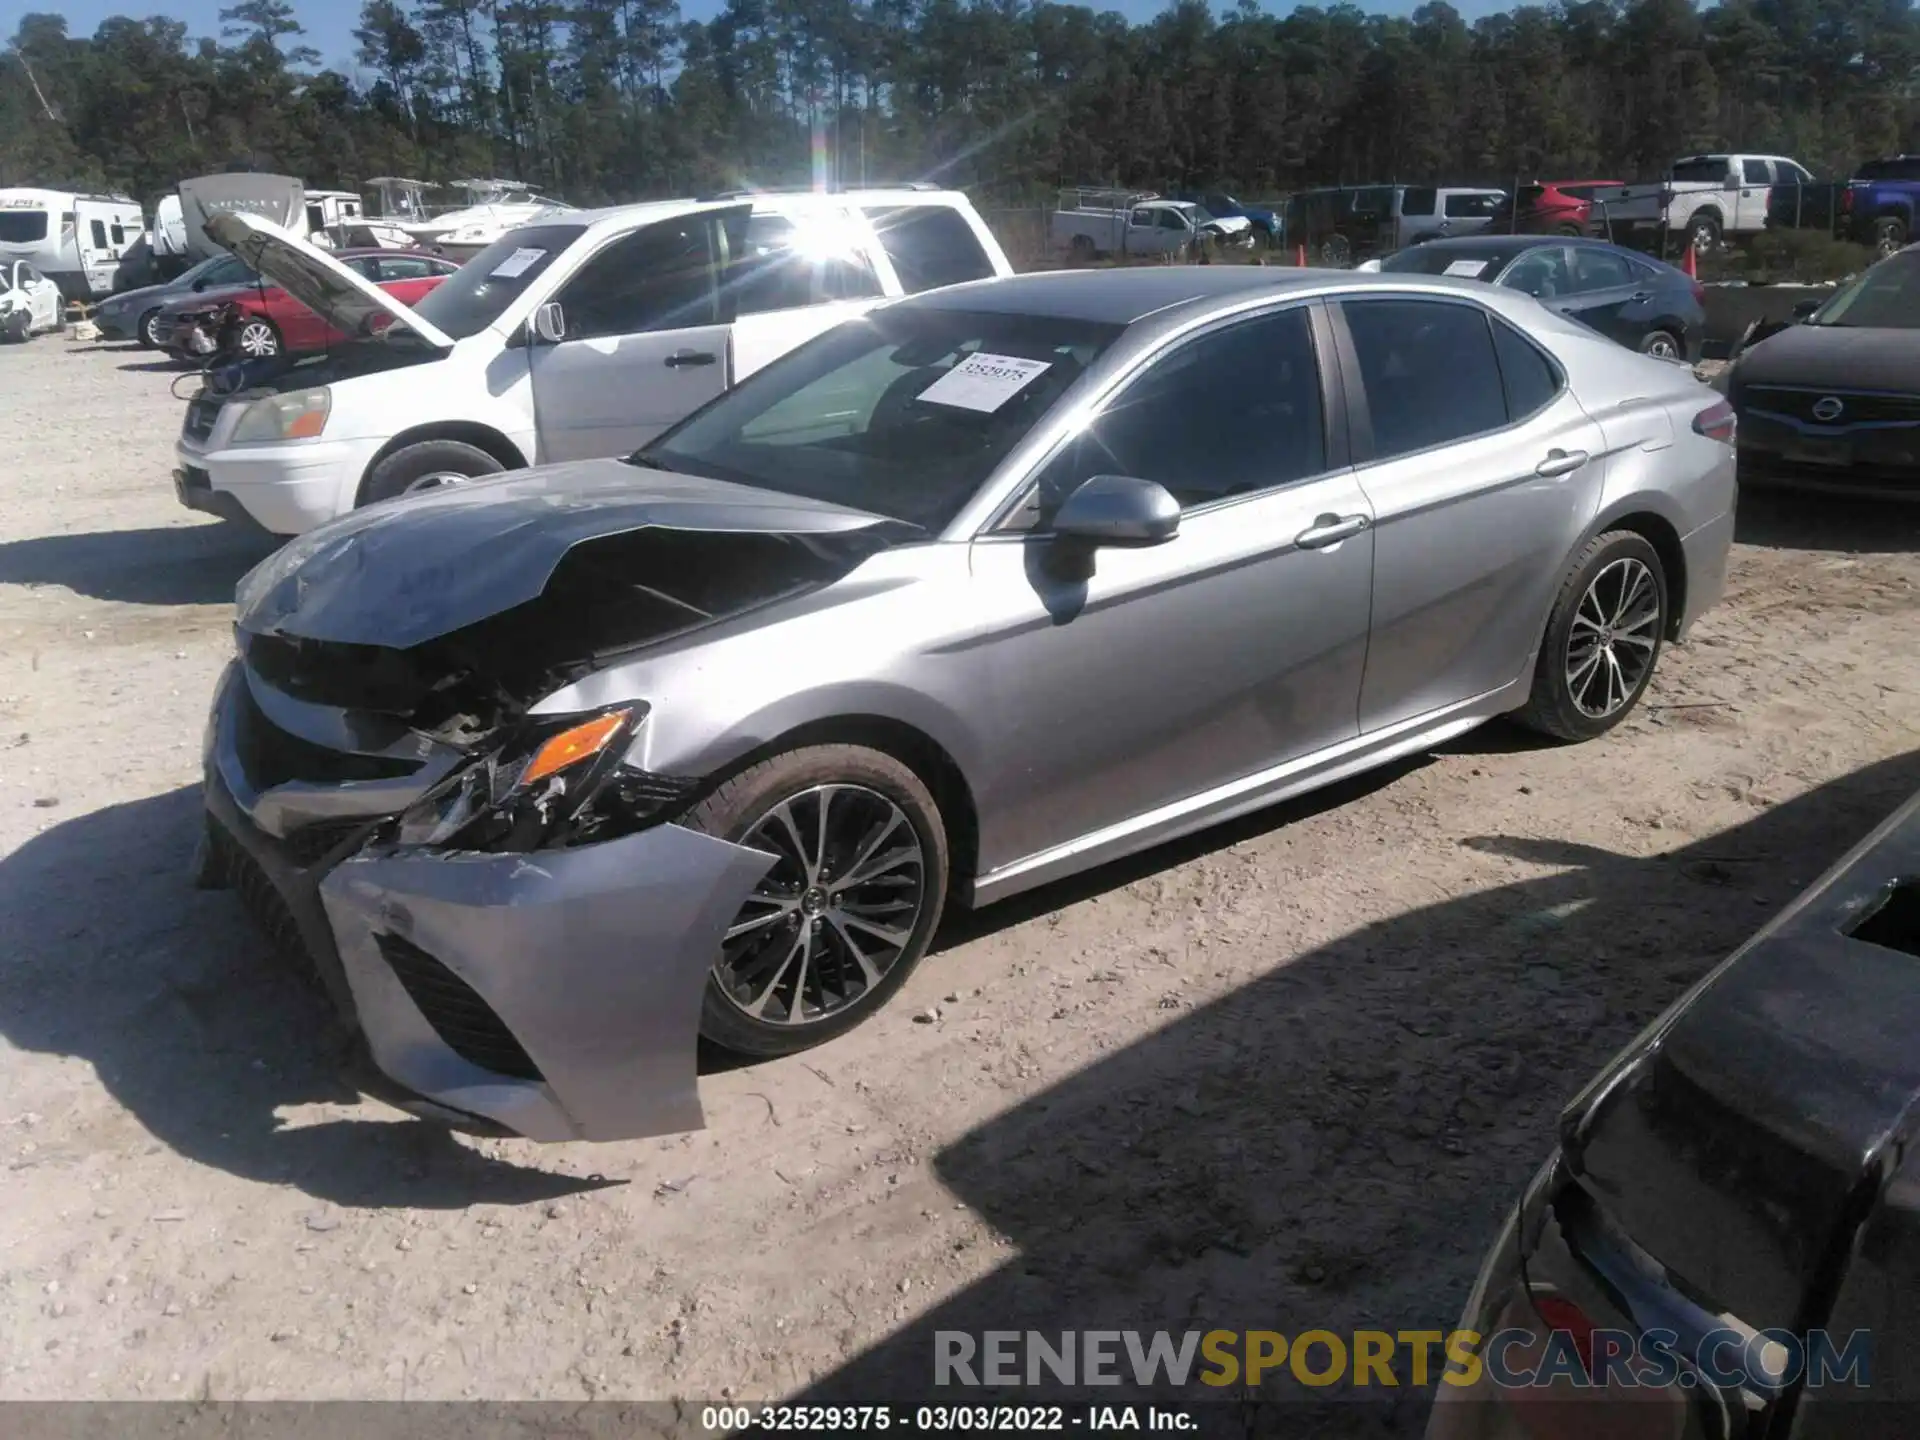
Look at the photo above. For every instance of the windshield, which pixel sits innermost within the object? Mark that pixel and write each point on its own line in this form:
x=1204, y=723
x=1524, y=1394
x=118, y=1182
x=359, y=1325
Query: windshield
x=1473, y=263
x=476, y=294
x=1885, y=297
x=904, y=413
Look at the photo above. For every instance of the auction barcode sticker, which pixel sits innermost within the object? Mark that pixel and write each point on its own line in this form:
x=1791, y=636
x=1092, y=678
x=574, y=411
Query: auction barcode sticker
x=984, y=382
x=1468, y=269
x=516, y=264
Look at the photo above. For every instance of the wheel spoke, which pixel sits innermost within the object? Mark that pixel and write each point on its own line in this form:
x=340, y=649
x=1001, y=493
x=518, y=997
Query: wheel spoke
x=783, y=812
x=891, y=935
x=894, y=821
x=783, y=908
x=827, y=793
x=860, y=957
x=801, y=942
x=879, y=865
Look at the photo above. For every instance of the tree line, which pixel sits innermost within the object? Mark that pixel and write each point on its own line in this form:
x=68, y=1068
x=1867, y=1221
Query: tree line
x=604, y=100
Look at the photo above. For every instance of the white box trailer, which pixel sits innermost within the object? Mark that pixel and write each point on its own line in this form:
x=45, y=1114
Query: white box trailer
x=73, y=238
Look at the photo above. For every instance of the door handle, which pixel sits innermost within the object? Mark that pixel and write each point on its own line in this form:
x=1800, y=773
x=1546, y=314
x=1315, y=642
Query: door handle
x=1330, y=530
x=690, y=357
x=1640, y=295
x=1560, y=462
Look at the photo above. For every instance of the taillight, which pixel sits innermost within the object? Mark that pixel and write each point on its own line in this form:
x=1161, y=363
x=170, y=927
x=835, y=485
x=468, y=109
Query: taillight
x=1716, y=422
x=1562, y=1314
x=1846, y=201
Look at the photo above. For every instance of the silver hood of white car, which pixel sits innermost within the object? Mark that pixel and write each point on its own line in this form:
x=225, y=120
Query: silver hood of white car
x=349, y=302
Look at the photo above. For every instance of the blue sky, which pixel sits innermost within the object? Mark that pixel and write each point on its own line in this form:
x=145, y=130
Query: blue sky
x=330, y=22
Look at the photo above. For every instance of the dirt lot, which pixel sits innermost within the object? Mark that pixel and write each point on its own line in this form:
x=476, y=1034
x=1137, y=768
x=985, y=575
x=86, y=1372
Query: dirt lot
x=1286, y=1075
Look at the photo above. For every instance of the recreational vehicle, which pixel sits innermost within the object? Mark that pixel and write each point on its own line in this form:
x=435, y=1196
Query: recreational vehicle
x=72, y=238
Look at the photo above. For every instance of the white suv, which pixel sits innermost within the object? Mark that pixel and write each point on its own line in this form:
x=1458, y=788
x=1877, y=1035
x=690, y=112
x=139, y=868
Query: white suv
x=585, y=334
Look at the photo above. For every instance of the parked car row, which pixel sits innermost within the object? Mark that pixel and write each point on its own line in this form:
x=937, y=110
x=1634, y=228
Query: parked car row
x=257, y=321
x=1875, y=206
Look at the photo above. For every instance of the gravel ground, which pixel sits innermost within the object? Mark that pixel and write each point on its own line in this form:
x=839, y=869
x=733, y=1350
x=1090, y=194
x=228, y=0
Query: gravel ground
x=1284, y=1075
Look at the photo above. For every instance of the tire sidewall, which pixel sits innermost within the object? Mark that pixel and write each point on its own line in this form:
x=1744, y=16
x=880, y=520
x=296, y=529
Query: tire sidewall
x=1552, y=693
x=389, y=479
x=145, y=331
x=1648, y=340
x=736, y=807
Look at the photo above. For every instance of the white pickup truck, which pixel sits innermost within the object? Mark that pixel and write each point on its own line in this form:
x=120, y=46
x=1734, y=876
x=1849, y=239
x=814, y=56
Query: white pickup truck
x=584, y=334
x=1092, y=223
x=1703, y=199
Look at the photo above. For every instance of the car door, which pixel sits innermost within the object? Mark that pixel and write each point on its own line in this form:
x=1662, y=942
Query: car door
x=643, y=343
x=1756, y=180
x=43, y=297
x=1606, y=293
x=790, y=278
x=1483, y=472
x=1231, y=649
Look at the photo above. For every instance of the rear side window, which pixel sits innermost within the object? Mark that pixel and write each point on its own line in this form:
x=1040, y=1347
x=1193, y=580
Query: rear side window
x=1596, y=269
x=1429, y=371
x=1756, y=172
x=1459, y=206
x=407, y=267
x=1419, y=200
x=1711, y=172
x=930, y=246
x=22, y=227
x=774, y=267
x=1528, y=377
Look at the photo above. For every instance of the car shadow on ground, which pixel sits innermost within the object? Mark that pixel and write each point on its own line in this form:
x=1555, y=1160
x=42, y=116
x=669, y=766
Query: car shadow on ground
x=165, y=565
x=190, y=1023
x=161, y=366
x=1333, y=1145
x=1786, y=520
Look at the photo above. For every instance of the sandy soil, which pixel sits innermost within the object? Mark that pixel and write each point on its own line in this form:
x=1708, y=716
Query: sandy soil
x=1288, y=1074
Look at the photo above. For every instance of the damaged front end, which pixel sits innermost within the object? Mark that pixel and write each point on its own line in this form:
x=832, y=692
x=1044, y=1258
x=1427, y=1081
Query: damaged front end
x=498, y=898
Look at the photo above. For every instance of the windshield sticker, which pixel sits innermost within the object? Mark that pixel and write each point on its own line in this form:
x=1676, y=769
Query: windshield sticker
x=984, y=382
x=516, y=264
x=1471, y=269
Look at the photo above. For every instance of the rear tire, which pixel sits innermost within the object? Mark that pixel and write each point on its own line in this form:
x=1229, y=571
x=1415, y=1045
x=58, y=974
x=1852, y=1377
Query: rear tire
x=1663, y=345
x=805, y=913
x=1603, y=639
x=148, y=330
x=424, y=465
x=1082, y=250
x=1703, y=232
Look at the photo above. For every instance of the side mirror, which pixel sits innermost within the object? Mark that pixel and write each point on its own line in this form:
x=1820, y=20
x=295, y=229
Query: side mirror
x=1118, y=510
x=1805, y=309
x=550, y=323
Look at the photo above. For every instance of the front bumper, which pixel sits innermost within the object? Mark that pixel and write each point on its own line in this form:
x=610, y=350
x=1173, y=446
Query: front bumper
x=287, y=488
x=556, y=993
x=1882, y=465
x=118, y=325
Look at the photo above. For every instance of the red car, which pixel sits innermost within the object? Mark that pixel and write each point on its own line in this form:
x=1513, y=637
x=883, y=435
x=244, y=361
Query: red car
x=1550, y=207
x=269, y=321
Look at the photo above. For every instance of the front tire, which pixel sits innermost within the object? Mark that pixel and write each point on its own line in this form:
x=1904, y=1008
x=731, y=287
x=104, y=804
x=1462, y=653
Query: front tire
x=257, y=339
x=1603, y=639
x=424, y=465
x=1889, y=236
x=848, y=909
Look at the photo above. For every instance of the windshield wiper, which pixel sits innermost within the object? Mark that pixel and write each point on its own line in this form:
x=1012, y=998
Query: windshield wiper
x=649, y=462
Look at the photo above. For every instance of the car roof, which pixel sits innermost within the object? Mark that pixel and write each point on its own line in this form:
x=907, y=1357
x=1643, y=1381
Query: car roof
x=1112, y=297
x=650, y=211
x=1485, y=244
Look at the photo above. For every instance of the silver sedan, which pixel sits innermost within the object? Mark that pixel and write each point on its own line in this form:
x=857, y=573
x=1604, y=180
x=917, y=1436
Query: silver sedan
x=549, y=774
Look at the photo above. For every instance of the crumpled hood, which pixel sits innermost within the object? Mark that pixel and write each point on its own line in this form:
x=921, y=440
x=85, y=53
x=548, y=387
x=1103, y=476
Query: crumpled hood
x=409, y=571
x=1835, y=356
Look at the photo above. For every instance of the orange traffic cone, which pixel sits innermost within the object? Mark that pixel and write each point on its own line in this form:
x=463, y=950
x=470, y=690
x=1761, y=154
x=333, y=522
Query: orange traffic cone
x=1689, y=267
x=1300, y=256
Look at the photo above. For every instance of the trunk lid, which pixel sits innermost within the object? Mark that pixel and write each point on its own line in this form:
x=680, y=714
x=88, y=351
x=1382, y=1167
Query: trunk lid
x=349, y=302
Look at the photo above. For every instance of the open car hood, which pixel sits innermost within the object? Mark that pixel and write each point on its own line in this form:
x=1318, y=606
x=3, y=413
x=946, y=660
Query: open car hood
x=350, y=303
x=402, y=574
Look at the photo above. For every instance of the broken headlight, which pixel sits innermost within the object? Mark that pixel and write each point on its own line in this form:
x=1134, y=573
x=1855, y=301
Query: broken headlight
x=529, y=793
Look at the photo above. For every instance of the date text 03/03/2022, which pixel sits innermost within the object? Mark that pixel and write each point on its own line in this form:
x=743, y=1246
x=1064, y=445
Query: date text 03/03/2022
x=998, y=1419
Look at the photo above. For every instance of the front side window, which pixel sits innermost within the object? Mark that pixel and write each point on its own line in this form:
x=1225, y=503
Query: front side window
x=904, y=413
x=658, y=278
x=930, y=246
x=1172, y=220
x=230, y=271
x=477, y=293
x=1228, y=413
x=1595, y=269
x=1429, y=371
x=1541, y=273
x=367, y=267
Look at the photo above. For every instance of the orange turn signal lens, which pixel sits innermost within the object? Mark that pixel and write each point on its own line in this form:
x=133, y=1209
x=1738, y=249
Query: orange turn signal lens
x=569, y=747
x=306, y=425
